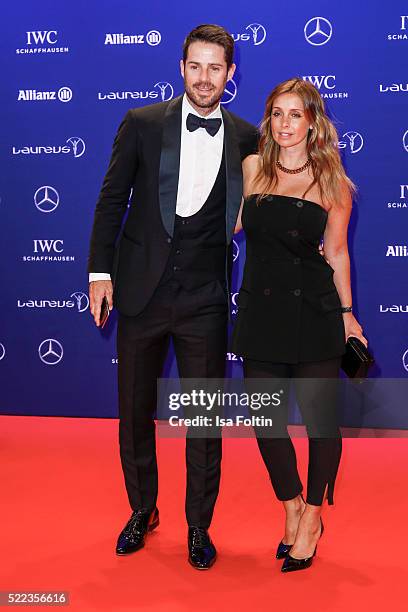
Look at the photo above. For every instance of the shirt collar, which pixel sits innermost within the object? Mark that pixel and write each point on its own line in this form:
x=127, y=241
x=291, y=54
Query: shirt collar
x=187, y=108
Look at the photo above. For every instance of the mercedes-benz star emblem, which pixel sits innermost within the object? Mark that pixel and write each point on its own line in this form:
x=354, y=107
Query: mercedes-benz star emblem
x=405, y=141
x=230, y=92
x=46, y=199
x=235, y=250
x=318, y=31
x=50, y=351
x=405, y=360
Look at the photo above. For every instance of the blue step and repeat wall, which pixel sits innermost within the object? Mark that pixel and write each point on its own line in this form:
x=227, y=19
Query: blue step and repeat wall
x=70, y=72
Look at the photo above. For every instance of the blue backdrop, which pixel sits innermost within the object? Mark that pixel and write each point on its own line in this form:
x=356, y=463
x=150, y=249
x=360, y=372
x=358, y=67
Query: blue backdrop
x=71, y=71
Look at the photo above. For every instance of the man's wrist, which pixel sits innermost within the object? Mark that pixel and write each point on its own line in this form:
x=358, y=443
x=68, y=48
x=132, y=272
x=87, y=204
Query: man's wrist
x=98, y=276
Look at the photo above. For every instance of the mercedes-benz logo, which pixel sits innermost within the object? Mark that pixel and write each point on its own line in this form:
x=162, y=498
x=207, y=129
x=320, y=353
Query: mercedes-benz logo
x=166, y=90
x=405, y=360
x=78, y=146
x=405, y=141
x=235, y=250
x=258, y=33
x=82, y=300
x=318, y=31
x=50, y=351
x=46, y=199
x=230, y=92
x=2, y=351
x=356, y=141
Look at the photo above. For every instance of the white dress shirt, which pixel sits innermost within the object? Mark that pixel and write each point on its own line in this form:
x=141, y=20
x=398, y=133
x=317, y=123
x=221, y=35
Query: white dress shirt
x=200, y=160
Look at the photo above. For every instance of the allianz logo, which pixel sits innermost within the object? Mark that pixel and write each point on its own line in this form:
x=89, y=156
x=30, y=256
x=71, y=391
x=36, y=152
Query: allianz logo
x=394, y=308
x=394, y=87
x=64, y=94
x=397, y=250
x=152, y=38
x=79, y=300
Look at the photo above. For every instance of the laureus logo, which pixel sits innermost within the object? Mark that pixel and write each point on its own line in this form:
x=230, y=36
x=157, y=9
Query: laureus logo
x=353, y=141
x=79, y=300
x=82, y=300
x=78, y=146
x=161, y=90
x=254, y=32
x=166, y=90
x=258, y=33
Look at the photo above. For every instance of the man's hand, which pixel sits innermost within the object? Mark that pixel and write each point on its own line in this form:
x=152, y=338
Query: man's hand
x=97, y=291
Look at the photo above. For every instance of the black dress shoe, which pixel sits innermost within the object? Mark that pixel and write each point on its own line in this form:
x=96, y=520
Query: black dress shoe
x=133, y=536
x=202, y=552
x=291, y=564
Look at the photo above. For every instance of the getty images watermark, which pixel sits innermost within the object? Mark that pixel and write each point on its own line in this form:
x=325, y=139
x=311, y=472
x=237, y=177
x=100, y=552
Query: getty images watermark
x=206, y=407
x=200, y=400
x=317, y=407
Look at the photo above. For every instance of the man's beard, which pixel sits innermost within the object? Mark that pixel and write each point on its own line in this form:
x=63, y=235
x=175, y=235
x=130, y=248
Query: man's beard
x=194, y=95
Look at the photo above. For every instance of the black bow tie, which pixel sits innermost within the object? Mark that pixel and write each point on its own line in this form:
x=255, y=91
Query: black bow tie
x=211, y=125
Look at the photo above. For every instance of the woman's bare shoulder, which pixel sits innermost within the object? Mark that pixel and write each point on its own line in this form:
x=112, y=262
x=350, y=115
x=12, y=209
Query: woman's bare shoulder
x=250, y=169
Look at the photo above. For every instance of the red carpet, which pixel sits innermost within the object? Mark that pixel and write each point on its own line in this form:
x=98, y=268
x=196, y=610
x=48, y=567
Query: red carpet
x=64, y=504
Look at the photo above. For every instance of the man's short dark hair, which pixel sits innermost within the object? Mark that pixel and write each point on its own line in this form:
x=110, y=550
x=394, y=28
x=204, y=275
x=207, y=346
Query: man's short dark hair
x=211, y=34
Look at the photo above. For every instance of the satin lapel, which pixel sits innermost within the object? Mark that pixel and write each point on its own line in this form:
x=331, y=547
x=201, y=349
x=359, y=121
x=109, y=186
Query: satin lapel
x=233, y=172
x=170, y=163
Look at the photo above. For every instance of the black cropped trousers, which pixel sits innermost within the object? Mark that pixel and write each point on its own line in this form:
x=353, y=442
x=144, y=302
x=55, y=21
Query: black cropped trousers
x=316, y=387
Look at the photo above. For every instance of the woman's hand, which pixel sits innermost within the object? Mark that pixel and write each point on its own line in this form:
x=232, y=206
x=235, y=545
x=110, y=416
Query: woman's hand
x=353, y=328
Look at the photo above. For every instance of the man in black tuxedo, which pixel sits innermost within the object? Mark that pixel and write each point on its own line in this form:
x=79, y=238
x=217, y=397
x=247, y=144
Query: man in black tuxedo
x=182, y=159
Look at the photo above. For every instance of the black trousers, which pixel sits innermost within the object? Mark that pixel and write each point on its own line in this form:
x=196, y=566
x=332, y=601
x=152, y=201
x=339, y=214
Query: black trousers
x=196, y=321
x=316, y=394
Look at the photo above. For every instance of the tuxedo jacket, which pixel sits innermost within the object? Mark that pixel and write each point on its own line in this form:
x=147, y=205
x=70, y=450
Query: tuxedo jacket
x=145, y=165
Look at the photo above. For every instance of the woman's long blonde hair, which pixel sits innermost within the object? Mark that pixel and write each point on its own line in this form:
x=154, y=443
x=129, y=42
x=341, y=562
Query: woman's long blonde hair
x=322, y=145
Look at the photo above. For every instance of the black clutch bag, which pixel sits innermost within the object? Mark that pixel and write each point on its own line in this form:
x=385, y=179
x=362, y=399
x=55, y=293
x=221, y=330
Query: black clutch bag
x=356, y=360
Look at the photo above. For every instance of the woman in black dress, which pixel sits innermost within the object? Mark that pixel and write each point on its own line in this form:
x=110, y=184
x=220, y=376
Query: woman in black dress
x=294, y=306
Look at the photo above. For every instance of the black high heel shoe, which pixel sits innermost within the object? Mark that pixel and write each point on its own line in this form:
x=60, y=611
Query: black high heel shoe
x=283, y=549
x=291, y=564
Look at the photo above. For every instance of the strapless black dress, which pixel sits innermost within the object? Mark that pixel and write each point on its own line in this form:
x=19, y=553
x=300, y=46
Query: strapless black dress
x=289, y=310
